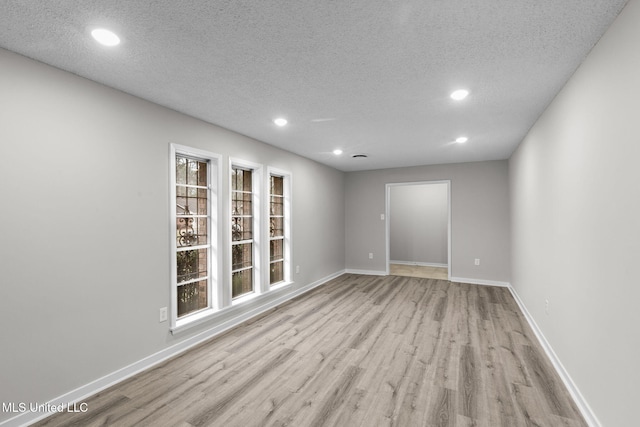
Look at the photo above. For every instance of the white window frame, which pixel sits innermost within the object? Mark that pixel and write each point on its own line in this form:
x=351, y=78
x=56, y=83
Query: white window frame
x=287, y=186
x=259, y=285
x=214, y=171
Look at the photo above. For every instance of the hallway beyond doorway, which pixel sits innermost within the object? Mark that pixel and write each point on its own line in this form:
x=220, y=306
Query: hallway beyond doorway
x=422, y=271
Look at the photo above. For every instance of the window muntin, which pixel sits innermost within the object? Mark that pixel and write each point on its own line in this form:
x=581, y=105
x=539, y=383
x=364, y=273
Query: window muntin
x=193, y=242
x=242, y=233
x=276, y=229
x=258, y=232
x=195, y=255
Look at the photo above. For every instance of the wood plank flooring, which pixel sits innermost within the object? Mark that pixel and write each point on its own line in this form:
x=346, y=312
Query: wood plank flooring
x=423, y=271
x=357, y=351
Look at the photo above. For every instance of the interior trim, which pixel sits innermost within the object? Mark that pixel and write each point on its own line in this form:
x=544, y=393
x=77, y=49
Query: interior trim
x=578, y=398
x=87, y=390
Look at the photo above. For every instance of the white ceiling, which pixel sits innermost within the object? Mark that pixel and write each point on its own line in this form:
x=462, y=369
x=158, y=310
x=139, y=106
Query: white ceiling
x=366, y=76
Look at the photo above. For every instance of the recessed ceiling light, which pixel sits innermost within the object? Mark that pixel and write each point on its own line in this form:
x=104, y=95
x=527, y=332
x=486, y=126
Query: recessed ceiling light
x=105, y=37
x=462, y=139
x=459, y=94
x=337, y=151
x=280, y=121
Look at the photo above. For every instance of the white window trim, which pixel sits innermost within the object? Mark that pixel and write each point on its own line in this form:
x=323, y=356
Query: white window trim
x=259, y=286
x=287, y=186
x=215, y=258
x=219, y=292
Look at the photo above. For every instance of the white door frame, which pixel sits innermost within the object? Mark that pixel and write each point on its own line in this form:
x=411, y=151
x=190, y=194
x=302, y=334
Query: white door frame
x=388, y=187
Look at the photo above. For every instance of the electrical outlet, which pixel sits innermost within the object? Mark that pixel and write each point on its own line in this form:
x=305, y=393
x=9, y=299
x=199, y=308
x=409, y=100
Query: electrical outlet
x=163, y=314
x=370, y=255
x=382, y=217
x=477, y=262
x=297, y=269
x=546, y=306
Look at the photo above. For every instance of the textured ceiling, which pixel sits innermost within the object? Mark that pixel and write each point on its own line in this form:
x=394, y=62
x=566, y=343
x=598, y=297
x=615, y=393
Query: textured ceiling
x=367, y=76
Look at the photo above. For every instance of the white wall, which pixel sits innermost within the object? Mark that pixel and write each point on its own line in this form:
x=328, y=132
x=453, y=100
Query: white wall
x=575, y=213
x=479, y=217
x=419, y=223
x=84, y=222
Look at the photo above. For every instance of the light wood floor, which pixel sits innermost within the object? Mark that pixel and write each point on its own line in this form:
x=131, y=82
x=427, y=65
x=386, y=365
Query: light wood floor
x=357, y=351
x=419, y=271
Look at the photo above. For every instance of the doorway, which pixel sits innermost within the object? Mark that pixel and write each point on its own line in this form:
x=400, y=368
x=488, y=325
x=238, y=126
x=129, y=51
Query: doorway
x=418, y=229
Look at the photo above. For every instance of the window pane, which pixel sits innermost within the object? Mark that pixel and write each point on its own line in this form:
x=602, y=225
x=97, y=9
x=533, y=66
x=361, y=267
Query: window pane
x=191, y=231
x=246, y=180
x=202, y=173
x=242, y=282
x=192, y=297
x=275, y=226
x=191, y=201
x=246, y=201
x=236, y=179
x=236, y=229
x=276, y=207
x=181, y=170
x=277, y=185
x=241, y=179
x=276, y=273
x=203, y=196
x=241, y=228
x=191, y=264
x=241, y=204
x=236, y=205
x=181, y=205
x=191, y=205
x=276, y=249
x=201, y=231
x=247, y=228
x=185, y=232
x=196, y=172
x=241, y=256
x=192, y=172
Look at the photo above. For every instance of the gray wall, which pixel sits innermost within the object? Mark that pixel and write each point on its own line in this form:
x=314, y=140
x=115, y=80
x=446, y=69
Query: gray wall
x=575, y=203
x=479, y=217
x=85, y=223
x=418, y=223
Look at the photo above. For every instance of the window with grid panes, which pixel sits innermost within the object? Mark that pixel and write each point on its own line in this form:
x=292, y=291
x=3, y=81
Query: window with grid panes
x=242, y=238
x=276, y=229
x=192, y=235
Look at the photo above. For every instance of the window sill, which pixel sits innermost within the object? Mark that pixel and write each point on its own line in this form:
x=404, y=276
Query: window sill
x=244, y=298
x=211, y=314
x=280, y=285
x=193, y=320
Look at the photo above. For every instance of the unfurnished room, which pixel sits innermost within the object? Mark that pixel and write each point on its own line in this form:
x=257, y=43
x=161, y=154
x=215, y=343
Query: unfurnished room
x=297, y=213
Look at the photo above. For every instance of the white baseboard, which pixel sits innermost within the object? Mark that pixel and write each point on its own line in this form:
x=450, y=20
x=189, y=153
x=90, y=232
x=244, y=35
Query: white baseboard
x=578, y=398
x=421, y=264
x=480, y=282
x=366, y=272
x=87, y=390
